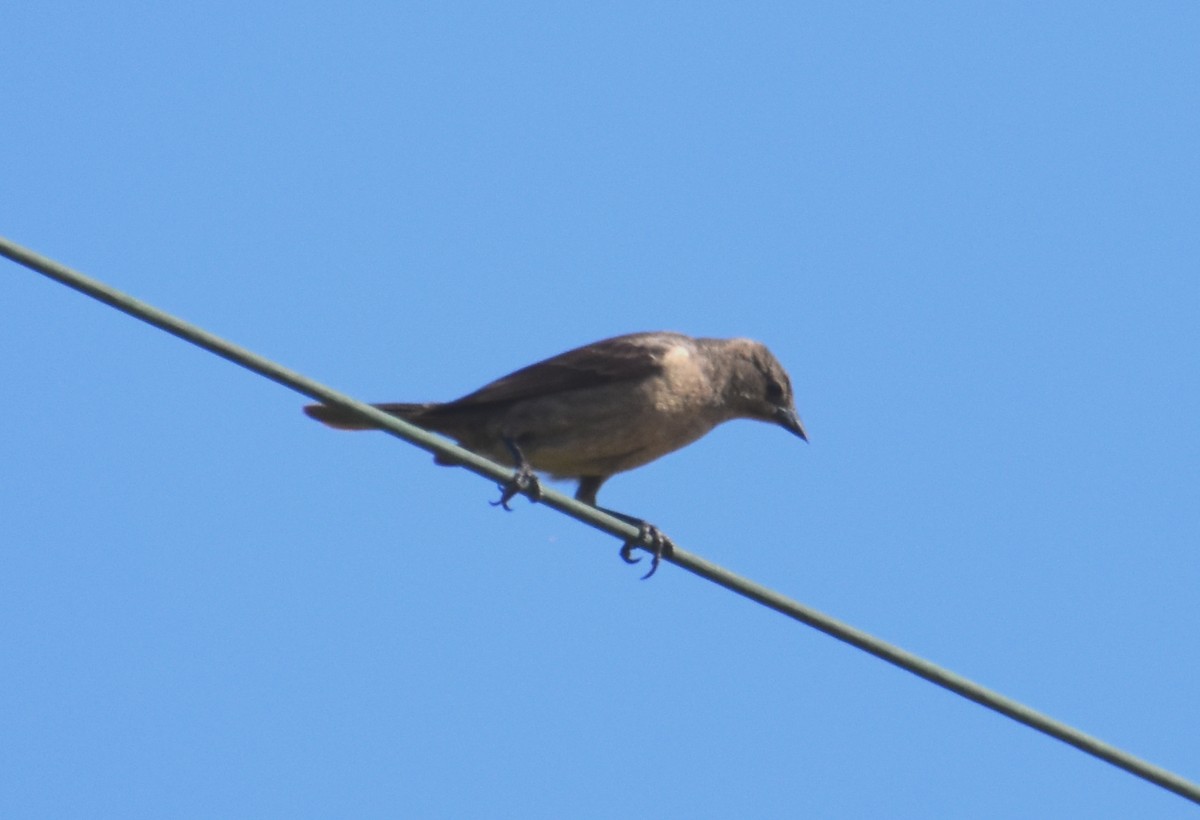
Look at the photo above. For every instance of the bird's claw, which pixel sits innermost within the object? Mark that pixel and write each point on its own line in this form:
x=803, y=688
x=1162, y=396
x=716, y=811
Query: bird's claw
x=522, y=480
x=658, y=543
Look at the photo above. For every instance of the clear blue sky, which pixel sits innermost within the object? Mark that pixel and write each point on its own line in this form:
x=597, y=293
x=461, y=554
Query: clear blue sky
x=968, y=230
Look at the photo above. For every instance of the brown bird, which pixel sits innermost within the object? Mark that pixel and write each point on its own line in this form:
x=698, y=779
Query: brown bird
x=605, y=408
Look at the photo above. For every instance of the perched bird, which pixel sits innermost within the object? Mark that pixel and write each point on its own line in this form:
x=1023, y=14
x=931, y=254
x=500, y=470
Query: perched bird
x=604, y=408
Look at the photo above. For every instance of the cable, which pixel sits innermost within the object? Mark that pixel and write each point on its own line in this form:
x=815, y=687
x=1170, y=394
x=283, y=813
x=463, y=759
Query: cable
x=614, y=526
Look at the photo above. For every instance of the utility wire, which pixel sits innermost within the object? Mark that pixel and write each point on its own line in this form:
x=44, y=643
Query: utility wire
x=614, y=526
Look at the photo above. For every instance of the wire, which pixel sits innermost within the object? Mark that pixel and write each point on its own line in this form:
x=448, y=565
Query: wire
x=602, y=521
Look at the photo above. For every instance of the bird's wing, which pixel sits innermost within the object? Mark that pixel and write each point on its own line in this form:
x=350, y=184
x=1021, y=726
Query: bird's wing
x=622, y=358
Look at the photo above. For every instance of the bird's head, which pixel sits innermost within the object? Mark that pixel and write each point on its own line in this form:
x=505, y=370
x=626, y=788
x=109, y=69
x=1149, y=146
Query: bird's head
x=759, y=387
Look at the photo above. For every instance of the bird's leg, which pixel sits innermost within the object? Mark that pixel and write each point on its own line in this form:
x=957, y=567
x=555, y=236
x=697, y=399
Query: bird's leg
x=659, y=544
x=523, y=479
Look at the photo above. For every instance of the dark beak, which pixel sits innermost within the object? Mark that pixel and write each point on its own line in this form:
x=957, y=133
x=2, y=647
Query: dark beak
x=786, y=418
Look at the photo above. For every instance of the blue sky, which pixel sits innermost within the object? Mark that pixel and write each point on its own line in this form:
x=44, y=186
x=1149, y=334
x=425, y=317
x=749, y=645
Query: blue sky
x=968, y=230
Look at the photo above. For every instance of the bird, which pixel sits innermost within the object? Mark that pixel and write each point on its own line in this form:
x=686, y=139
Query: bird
x=602, y=409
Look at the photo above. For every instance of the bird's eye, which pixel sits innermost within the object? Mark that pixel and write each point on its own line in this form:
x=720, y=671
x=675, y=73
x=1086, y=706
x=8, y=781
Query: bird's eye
x=774, y=391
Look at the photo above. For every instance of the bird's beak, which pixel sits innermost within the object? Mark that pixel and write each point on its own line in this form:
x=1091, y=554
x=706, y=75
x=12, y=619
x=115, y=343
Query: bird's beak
x=786, y=418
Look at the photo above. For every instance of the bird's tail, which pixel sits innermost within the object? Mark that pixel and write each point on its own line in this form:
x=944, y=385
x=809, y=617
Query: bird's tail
x=345, y=420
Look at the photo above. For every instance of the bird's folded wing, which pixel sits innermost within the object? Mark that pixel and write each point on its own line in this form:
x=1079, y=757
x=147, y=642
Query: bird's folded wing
x=622, y=358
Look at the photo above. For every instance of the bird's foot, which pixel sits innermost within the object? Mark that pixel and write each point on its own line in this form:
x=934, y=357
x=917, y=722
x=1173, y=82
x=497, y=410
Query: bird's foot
x=659, y=545
x=524, y=479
